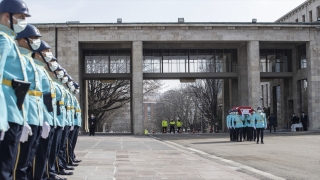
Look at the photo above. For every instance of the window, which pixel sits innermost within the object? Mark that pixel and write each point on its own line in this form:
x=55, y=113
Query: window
x=149, y=109
x=189, y=60
x=297, y=20
x=310, y=16
x=318, y=12
x=107, y=61
x=303, y=18
x=275, y=60
x=302, y=56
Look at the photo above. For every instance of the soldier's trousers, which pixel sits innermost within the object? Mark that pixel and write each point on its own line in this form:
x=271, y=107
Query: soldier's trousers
x=260, y=132
x=249, y=134
x=254, y=134
x=69, y=146
x=245, y=133
x=42, y=156
x=239, y=133
x=231, y=133
x=74, y=142
x=54, y=151
x=8, y=150
x=26, y=153
x=62, y=158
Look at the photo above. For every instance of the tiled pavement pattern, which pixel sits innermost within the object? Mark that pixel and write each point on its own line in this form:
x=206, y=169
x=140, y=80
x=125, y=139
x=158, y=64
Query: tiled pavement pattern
x=143, y=158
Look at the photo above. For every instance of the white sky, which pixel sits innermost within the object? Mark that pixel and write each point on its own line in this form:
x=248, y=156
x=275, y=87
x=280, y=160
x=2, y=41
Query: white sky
x=107, y=11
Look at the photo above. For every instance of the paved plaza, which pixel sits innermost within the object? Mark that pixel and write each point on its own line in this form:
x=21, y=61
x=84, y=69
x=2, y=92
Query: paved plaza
x=197, y=156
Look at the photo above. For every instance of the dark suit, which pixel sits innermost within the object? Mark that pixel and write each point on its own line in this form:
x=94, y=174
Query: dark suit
x=272, y=122
x=305, y=121
x=92, y=125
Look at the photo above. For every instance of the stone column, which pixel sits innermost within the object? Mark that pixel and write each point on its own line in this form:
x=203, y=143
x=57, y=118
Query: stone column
x=249, y=74
x=313, y=66
x=137, y=88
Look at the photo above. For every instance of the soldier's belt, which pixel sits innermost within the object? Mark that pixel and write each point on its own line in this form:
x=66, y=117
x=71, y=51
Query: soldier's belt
x=78, y=110
x=68, y=107
x=72, y=107
x=61, y=103
x=53, y=95
x=7, y=82
x=259, y=120
x=34, y=93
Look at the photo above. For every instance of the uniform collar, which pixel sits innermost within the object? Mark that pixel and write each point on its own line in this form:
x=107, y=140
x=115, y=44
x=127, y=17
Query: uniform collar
x=40, y=63
x=8, y=31
x=25, y=51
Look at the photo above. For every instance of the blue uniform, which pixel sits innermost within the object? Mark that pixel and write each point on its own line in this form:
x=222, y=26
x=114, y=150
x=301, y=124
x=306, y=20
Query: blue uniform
x=11, y=67
x=229, y=121
x=35, y=108
x=237, y=121
x=47, y=87
x=78, y=120
x=61, y=94
x=261, y=120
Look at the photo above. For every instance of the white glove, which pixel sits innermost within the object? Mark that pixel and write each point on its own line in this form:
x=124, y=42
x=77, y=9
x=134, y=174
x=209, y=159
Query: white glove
x=26, y=130
x=266, y=127
x=254, y=127
x=72, y=128
x=45, y=130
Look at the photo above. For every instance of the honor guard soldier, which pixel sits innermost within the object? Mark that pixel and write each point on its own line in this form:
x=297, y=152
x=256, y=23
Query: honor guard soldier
x=28, y=41
x=77, y=124
x=251, y=125
x=73, y=119
x=61, y=161
x=61, y=113
x=238, y=124
x=42, y=56
x=229, y=126
x=246, y=119
x=261, y=124
x=164, y=126
x=14, y=85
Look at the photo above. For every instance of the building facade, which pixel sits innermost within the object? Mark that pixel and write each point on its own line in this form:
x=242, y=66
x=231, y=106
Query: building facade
x=284, y=56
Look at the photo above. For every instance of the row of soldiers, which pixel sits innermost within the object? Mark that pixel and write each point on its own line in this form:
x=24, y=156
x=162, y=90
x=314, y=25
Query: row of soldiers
x=40, y=114
x=246, y=126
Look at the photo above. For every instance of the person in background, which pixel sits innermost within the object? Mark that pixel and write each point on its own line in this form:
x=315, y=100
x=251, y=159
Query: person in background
x=92, y=125
x=272, y=122
x=304, y=121
x=164, y=126
x=179, y=125
x=172, y=123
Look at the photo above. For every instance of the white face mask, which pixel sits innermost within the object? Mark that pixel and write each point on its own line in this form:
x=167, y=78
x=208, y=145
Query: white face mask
x=36, y=44
x=53, y=66
x=64, y=79
x=72, y=88
x=48, y=56
x=92, y=116
x=77, y=91
x=70, y=84
x=20, y=26
x=259, y=111
x=302, y=114
x=60, y=74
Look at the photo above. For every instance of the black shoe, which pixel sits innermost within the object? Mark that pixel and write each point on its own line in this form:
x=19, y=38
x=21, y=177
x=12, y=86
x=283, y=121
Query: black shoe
x=72, y=164
x=63, y=172
x=257, y=142
x=262, y=142
x=69, y=168
x=77, y=160
x=56, y=177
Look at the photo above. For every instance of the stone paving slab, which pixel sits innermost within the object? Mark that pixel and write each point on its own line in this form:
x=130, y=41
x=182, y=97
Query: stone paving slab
x=144, y=158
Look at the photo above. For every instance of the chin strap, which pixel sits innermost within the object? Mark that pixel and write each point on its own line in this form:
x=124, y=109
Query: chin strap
x=11, y=21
